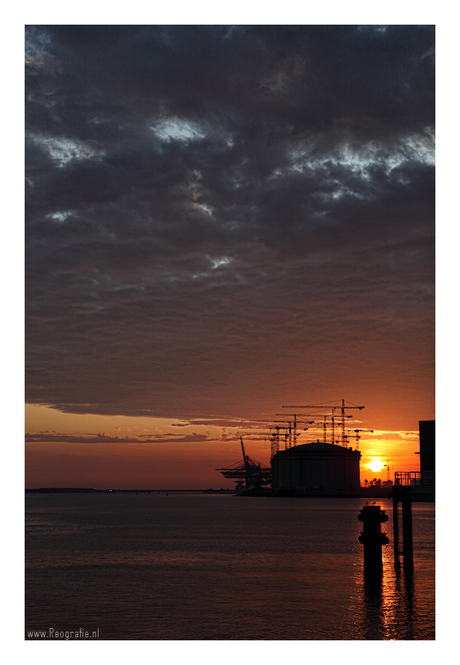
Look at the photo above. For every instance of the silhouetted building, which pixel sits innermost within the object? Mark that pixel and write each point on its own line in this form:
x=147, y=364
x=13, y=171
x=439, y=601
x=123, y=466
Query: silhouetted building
x=427, y=451
x=319, y=466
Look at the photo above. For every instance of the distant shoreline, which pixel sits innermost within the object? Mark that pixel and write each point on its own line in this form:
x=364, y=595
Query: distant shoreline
x=91, y=490
x=417, y=493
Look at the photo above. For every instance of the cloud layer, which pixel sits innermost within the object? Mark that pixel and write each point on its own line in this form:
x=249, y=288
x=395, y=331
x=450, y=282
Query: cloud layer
x=223, y=219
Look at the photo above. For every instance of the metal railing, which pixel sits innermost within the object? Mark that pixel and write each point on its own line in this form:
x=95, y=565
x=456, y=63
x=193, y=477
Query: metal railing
x=408, y=478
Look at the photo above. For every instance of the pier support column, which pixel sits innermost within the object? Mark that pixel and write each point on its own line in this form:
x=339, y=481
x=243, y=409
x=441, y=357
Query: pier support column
x=401, y=493
x=396, y=527
x=408, y=547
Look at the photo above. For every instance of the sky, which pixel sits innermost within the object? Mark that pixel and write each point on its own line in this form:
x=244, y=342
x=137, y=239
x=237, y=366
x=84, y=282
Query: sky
x=222, y=221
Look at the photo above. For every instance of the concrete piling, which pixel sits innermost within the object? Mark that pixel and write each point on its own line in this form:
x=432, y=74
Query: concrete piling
x=408, y=547
x=372, y=538
x=396, y=529
x=401, y=494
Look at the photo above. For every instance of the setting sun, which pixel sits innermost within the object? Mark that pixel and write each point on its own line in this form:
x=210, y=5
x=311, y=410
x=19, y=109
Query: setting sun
x=376, y=466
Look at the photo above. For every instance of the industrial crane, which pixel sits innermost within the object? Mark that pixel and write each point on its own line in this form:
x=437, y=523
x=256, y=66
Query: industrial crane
x=293, y=433
x=247, y=465
x=251, y=471
x=333, y=420
x=356, y=431
x=333, y=408
x=275, y=439
x=388, y=471
x=274, y=434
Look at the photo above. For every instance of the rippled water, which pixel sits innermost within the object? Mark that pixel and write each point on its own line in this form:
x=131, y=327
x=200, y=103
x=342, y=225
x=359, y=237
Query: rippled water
x=217, y=567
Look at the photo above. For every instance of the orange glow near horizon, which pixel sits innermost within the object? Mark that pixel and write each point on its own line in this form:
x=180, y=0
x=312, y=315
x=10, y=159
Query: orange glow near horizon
x=84, y=450
x=376, y=466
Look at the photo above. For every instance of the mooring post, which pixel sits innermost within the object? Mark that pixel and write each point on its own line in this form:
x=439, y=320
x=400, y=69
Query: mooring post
x=372, y=538
x=408, y=547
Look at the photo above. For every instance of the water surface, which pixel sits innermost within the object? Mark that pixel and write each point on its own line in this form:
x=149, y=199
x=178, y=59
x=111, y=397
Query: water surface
x=219, y=567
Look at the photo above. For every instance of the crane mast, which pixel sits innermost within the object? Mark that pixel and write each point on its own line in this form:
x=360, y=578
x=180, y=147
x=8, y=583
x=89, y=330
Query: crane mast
x=333, y=408
x=252, y=472
x=242, y=448
x=357, y=431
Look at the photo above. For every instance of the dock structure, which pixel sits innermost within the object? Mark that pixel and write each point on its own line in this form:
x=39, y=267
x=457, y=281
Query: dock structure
x=402, y=522
x=412, y=486
x=250, y=472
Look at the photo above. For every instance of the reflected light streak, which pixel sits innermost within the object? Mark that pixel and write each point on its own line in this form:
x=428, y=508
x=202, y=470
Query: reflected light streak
x=391, y=602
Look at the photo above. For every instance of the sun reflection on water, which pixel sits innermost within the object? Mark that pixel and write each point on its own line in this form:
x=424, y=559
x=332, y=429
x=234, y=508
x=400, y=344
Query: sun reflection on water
x=392, y=601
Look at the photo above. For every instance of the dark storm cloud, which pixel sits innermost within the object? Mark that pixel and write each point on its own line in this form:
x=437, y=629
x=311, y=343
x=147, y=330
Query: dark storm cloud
x=203, y=202
x=103, y=437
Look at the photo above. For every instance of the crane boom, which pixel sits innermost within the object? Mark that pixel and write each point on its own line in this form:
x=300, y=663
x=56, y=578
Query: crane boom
x=320, y=406
x=333, y=409
x=242, y=448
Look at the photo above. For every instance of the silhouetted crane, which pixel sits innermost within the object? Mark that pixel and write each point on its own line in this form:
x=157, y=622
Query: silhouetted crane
x=333, y=408
x=251, y=471
x=356, y=431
